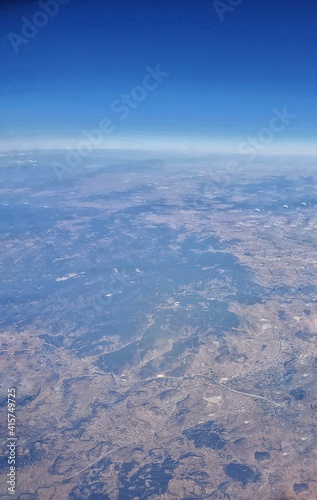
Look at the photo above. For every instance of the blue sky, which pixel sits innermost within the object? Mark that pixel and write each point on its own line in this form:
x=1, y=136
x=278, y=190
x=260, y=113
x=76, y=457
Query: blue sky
x=225, y=75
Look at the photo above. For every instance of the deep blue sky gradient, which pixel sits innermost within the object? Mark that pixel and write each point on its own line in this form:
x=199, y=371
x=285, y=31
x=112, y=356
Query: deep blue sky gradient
x=225, y=77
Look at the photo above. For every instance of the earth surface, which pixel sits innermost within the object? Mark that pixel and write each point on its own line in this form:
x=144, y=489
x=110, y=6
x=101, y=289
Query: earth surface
x=159, y=325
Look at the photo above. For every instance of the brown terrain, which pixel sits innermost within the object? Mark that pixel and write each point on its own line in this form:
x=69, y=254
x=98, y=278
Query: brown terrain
x=211, y=392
